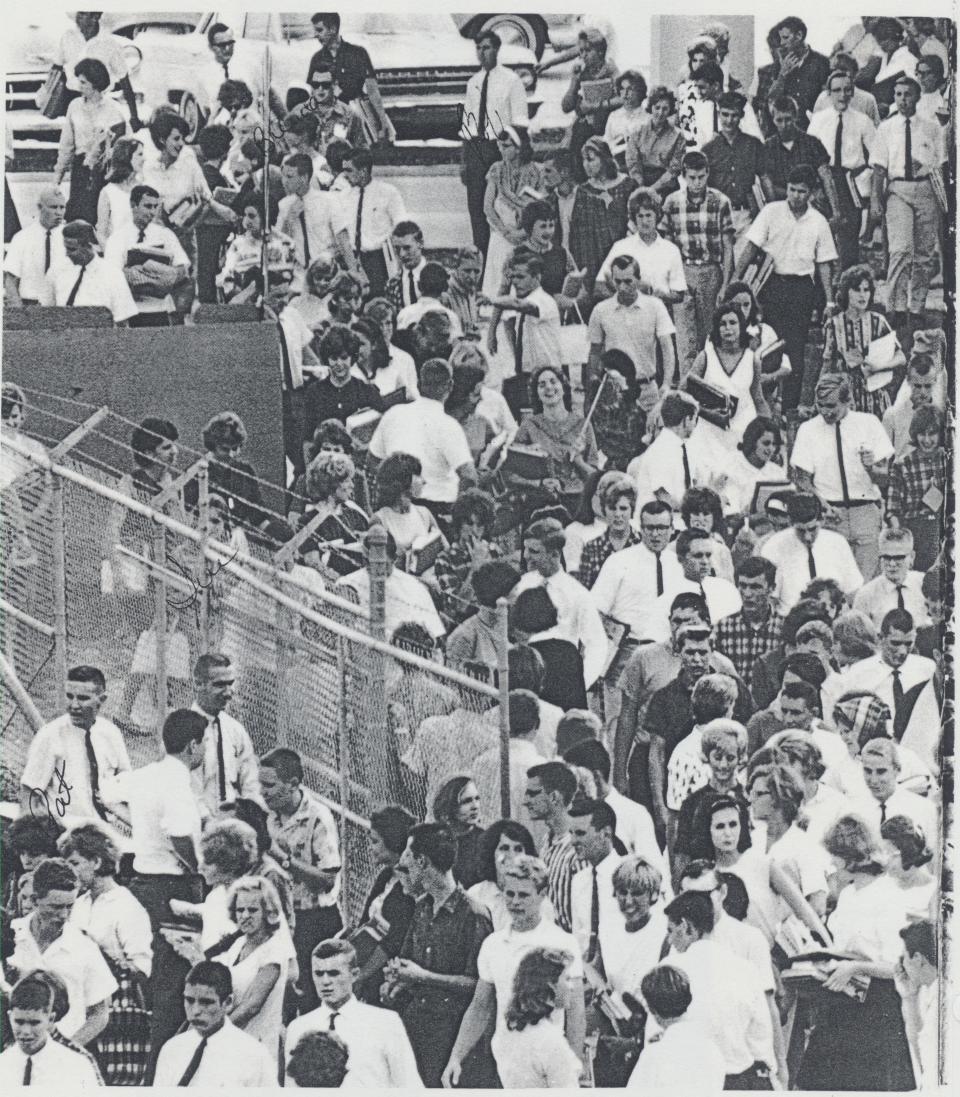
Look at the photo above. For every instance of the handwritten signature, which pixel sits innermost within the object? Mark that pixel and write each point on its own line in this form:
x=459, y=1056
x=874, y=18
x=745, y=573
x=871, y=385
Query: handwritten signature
x=210, y=572
x=40, y=800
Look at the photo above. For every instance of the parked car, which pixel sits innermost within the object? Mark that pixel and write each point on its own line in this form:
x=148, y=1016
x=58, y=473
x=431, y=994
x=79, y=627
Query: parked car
x=422, y=63
x=533, y=30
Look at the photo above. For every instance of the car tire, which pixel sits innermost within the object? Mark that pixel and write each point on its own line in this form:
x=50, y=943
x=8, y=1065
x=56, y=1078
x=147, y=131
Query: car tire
x=189, y=109
x=523, y=30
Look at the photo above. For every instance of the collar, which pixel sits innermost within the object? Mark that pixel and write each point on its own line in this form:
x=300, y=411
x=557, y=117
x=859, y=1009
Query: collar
x=451, y=904
x=195, y=707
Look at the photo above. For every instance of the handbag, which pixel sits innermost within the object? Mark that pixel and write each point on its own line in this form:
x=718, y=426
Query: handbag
x=716, y=406
x=52, y=98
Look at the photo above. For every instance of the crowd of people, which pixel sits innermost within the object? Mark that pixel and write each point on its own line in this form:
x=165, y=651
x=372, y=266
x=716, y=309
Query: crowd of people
x=678, y=409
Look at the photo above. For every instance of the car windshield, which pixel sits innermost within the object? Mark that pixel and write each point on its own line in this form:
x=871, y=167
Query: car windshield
x=297, y=25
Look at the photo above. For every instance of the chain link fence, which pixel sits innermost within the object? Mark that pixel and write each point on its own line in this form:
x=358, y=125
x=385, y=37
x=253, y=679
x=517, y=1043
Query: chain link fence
x=94, y=572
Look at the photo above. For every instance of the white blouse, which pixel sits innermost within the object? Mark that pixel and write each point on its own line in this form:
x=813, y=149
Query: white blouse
x=267, y=1025
x=87, y=132
x=868, y=918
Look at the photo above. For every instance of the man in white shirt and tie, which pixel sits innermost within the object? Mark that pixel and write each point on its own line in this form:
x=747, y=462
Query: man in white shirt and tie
x=593, y=906
x=34, y=250
x=313, y=218
x=841, y=455
x=495, y=98
x=84, y=280
x=402, y=289
x=695, y=556
x=372, y=208
x=907, y=150
x=880, y=760
x=847, y=135
x=212, y=1052
x=806, y=551
x=578, y=618
x=894, y=669
x=676, y=459
x=897, y=586
x=230, y=769
x=156, y=283
x=380, y=1053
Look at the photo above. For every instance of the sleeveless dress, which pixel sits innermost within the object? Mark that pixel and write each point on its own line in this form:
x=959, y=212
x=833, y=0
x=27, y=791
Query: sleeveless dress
x=119, y=200
x=738, y=384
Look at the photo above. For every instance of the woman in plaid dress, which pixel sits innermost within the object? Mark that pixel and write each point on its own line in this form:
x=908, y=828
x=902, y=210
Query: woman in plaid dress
x=115, y=920
x=918, y=485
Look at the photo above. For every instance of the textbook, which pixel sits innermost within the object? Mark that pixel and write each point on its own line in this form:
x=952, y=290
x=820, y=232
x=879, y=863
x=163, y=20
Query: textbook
x=422, y=554
x=530, y=462
x=362, y=424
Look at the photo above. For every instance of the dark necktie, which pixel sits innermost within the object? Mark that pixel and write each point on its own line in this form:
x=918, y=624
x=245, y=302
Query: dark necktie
x=46, y=267
x=594, y=916
x=194, y=1065
x=838, y=143
x=412, y=287
x=306, y=239
x=28, y=1070
x=333, y=1021
x=76, y=287
x=900, y=602
x=359, y=219
x=703, y=593
x=716, y=122
x=94, y=774
x=142, y=234
x=843, y=469
x=285, y=361
x=659, y=574
x=907, y=151
x=221, y=769
x=897, y=694
x=482, y=117
x=226, y=70
x=811, y=563
x=518, y=344
x=883, y=812
x=686, y=466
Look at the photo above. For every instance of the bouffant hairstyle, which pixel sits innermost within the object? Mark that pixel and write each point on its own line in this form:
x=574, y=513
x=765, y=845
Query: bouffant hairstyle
x=225, y=429
x=326, y=472
x=535, y=983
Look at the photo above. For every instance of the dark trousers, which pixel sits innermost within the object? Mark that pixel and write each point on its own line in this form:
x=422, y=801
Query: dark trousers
x=11, y=219
x=755, y=1077
x=375, y=268
x=169, y=968
x=312, y=927
x=788, y=302
x=210, y=241
x=847, y=235
x=478, y=157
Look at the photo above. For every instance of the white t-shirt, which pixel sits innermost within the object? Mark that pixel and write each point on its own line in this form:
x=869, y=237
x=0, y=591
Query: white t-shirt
x=537, y=1057
x=425, y=431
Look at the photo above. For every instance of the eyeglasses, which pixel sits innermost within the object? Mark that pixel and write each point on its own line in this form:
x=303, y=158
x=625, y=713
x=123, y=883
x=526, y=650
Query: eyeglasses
x=323, y=83
x=891, y=559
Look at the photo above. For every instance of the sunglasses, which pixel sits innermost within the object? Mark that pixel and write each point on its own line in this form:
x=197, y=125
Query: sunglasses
x=323, y=83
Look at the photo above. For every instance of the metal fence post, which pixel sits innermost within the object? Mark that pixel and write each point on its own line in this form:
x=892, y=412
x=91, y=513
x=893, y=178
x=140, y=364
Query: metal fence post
x=345, y=765
x=503, y=678
x=59, y=590
x=160, y=620
x=203, y=485
x=377, y=739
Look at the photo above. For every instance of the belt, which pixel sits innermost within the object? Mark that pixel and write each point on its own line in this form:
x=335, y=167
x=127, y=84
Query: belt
x=850, y=503
x=794, y=277
x=922, y=179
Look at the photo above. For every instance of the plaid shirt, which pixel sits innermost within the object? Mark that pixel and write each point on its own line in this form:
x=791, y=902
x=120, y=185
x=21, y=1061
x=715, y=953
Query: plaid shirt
x=698, y=229
x=596, y=552
x=743, y=644
x=910, y=479
x=451, y=569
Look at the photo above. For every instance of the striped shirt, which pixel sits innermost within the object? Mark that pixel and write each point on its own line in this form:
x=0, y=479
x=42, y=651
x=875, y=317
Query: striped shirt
x=562, y=865
x=463, y=304
x=698, y=228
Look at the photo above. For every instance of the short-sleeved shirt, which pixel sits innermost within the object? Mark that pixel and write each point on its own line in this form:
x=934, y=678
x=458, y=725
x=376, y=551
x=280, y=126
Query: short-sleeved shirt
x=501, y=953
x=324, y=400
x=796, y=244
x=60, y=747
x=815, y=452
x=778, y=160
x=102, y=286
x=661, y=264
x=351, y=66
x=26, y=255
x=104, y=47
x=856, y=136
x=309, y=835
x=669, y=715
x=162, y=806
x=734, y=165
x=634, y=329
x=76, y=959
x=447, y=940
x=927, y=146
x=425, y=431
x=698, y=227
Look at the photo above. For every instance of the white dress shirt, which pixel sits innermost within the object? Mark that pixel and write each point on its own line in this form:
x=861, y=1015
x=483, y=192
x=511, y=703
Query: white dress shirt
x=635, y=827
x=126, y=237
x=26, y=255
x=103, y=46
x=51, y=1066
x=404, y=274
x=211, y=77
x=862, y=102
x=578, y=619
x=380, y=1053
x=118, y=923
x=324, y=217
x=874, y=675
x=832, y=557
x=918, y=809
x=60, y=747
x=425, y=431
x=230, y=1059
x=523, y=755
x=661, y=264
x=626, y=587
x=241, y=769
x=541, y=331
x=410, y=315
x=103, y=286
x=660, y=466
x=927, y=146
x=682, y=1059
x=723, y=600
x=506, y=103
x=581, y=902
x=628, y=956
x=749, y=944
x=728, y=1003
x=879, y=596
x=383, y=208
x=815, y=452
x=796, y=244
x=407, y=599
x=856, y=138
x=900, y=61
x=162, y=806
x=76, y=959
